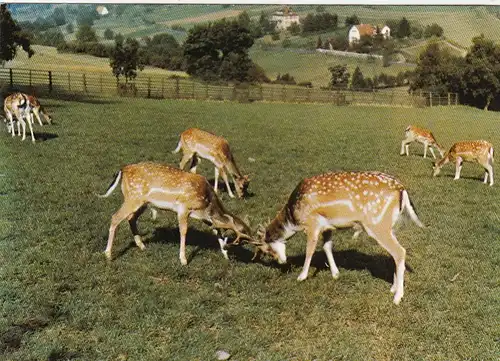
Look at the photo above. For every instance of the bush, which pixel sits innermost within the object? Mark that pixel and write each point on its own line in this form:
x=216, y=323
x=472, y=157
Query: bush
x=284, y=79
x=433, y=30
x=306, y=84
x=275, y=36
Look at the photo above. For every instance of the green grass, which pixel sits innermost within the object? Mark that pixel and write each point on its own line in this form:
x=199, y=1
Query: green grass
x=62, y=300
x=313, y=67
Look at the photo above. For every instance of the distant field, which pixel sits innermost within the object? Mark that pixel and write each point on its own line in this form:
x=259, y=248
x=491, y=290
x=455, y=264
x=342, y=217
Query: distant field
x=412, y=53
x=313, y=67
x=62, y=300
x=47, y=58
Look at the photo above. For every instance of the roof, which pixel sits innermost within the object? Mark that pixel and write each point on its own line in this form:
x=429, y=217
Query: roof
x=365, y=29
x=285, y=12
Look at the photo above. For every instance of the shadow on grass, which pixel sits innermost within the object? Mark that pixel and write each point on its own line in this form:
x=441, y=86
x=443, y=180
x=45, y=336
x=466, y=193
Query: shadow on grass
x=44, y=136
x=11, y=339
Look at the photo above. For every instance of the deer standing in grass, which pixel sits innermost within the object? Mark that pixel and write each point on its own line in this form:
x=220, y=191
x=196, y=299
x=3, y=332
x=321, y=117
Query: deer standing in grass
x=18, y=105
x=164, y=187
x=341, y=200
x=196, y=143
x=423, y=136
x=38, y=109
x=479, y=151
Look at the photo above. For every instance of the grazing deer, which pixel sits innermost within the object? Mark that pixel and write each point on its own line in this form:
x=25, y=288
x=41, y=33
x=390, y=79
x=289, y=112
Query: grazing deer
x=18, y=105
x=423, y=136
x=196, y=143
x=341, y=200
x=38, y=109
x=479, y=151
x=164, y=187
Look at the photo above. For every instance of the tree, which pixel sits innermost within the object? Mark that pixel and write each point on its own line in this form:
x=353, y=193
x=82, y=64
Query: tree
x=351, y=20
x=210, y=46
x=294, y=29
x=59, y=17
x=358, y=81
x=12, y=36
x=244, y=20
x=51, y=37
x=70, y=28
x=339, y=76
x=482, y=71
x=85, y=34
x=404, y=29
x=108, y=34
x=163, y=51
x=319, y=43
x=433, y=30
x=125, y=59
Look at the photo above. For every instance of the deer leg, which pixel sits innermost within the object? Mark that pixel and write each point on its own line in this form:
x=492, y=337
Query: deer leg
x=30, y=124
x=185, y=158
x=226, y=180
x=37, y=115
x=132, y=221
x=458, y=167
x=489, y=171
x=432, y=152
x=194, y=163
x=182, y=217
x=403, y=145
x=327, y=247
x=407, y=150
x=125, y=211
x=358, y=229
x=389, y=242
x=425, y=149
x=312, y=240
x=11, y=121
x=216, y=183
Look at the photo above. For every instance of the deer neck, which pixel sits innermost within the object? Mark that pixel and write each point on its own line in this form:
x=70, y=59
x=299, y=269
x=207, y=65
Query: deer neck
x=281, y=227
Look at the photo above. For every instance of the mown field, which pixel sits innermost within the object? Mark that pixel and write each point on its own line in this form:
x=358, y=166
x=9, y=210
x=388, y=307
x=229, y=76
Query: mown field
x=62, y=300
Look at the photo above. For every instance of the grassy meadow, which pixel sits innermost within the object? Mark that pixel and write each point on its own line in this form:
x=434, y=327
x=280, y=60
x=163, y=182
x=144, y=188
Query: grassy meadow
x=62, y=300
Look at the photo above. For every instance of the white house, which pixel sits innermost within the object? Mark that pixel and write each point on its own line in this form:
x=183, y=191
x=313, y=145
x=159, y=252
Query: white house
x=102, y=10
x=357, y=31
x=285, y=18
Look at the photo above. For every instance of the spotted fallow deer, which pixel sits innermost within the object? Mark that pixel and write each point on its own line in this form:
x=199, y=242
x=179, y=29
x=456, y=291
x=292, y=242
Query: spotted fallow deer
x=18, y=105
x=196, y=143
x=169, y=188
x=341, y=200
x=38, y=109
x=423, y=136
x=479, y=151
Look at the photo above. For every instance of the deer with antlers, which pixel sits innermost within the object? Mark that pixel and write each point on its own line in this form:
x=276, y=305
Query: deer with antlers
x=423, y=136
x=18, y=105
x=165, y=187
x=196, y=143
x=371, y=200
x=479, y=151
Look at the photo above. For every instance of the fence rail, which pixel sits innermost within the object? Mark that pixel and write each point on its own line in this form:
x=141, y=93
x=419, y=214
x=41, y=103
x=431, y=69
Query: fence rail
x=58, y=83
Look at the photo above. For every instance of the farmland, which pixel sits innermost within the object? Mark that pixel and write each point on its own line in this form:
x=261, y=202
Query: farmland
x=62, y=300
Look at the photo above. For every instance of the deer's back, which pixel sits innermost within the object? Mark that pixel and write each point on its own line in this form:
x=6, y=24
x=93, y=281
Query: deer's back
x=471, y=150
x=205, y=143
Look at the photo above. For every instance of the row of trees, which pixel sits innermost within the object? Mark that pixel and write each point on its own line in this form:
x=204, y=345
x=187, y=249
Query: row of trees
x=341, y=79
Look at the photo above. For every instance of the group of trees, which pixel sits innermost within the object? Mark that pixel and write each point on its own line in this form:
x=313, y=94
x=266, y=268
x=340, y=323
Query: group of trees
x=475, y=77
x=341, y=79
x=402, y=29
x=319, y=22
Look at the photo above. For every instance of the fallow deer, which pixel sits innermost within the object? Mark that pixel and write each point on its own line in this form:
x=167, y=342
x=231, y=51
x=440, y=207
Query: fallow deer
x=423, y=136
x=479, y=151
x=196, y=143
x=164, y=187
x=18, y=105
x=341, y=200
x=38, y=109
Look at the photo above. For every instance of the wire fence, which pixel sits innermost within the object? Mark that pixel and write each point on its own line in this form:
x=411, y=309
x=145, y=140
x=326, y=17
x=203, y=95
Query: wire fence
x=58, y=83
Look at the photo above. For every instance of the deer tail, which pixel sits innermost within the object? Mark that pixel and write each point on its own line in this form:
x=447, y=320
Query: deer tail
x=112, y=186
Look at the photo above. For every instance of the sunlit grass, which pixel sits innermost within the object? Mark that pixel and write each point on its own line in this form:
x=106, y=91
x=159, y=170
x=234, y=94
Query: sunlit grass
x=62, y=300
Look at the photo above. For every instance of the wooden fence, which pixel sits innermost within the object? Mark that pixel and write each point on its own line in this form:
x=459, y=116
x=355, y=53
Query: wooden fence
x=58, y=83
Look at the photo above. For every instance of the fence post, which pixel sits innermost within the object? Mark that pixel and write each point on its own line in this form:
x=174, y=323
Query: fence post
x=430, y=99
x=50, y=81
x=100, y=81
x=193, y=88
x=117, y=86
x=84, y=83
x=234, y=93
x=456, y=98
x=449, y=99
x=11, y=78
x=69, y=81
x=162, y=88
x=206, y=91
x=149, y=87
x=30, y=77
x=177, y=88
x=261, y=94
x=283, y=94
